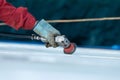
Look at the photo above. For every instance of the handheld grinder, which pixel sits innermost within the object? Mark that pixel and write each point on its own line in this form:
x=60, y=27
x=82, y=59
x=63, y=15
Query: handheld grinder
x=69, y=48
x=61, y=40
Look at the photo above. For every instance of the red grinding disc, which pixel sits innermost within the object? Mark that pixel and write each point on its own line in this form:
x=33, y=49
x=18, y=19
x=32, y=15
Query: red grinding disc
x=71, y=49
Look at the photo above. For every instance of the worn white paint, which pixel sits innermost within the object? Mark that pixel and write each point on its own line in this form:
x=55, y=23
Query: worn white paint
x=35, y=62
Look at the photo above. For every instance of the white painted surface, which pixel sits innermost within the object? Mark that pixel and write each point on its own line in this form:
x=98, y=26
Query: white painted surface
x=35, y=62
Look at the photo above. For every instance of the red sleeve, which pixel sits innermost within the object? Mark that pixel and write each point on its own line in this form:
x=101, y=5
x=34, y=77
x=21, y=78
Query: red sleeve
x=16, y=17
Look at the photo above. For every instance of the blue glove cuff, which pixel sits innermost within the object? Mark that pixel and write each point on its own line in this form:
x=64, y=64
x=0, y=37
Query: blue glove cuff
x=40, y=27
x=43, y=28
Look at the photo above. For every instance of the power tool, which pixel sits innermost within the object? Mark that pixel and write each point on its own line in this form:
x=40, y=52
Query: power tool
x=62, y=41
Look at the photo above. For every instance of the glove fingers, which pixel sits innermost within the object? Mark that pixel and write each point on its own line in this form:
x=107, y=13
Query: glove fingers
x=48, y=45
x=52, y=41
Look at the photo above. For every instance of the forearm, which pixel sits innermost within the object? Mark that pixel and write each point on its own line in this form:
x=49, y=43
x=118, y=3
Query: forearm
x=16, y=17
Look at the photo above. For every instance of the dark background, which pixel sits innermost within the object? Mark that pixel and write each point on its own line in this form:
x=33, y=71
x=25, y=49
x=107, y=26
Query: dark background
x=98, y=33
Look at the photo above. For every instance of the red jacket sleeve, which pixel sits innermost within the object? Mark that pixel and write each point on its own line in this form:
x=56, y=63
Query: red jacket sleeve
x=16, y=17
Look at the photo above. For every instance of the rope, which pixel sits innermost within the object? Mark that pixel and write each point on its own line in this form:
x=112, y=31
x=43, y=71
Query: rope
x=78, y=20
x=83, y=20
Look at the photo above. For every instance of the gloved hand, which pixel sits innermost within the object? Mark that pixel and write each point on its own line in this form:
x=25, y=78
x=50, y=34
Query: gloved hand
x=46, y=31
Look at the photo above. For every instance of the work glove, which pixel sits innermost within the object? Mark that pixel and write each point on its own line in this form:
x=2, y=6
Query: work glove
x=46, y=31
